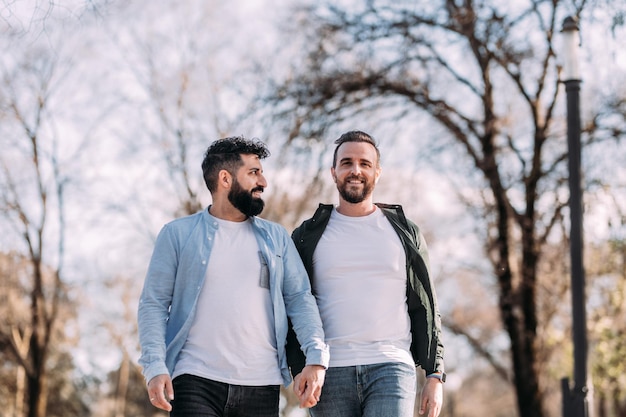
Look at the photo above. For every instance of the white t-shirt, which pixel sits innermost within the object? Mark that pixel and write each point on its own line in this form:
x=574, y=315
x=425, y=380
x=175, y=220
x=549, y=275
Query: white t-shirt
x=360, y=285
x=232, y=338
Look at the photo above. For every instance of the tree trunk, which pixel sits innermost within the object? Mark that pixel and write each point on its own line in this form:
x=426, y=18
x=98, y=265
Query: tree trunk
x=19, y=392
x=122, y=386
x=517, y=297
x=37, y=379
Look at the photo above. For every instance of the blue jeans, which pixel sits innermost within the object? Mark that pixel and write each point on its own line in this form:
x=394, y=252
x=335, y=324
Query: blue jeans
x=379, y=390
x=201, y=397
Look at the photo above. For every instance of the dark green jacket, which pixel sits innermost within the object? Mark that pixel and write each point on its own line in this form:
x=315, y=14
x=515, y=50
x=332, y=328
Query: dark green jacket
x=426, y=344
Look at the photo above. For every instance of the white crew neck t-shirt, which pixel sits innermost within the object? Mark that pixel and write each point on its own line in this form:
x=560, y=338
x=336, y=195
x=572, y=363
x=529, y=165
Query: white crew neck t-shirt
x=360, y=285
x=232, y=338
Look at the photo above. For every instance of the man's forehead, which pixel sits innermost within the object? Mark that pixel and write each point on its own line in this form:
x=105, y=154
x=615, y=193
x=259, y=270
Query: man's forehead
x=251, y=160
x=250, y=157
x=356, y=150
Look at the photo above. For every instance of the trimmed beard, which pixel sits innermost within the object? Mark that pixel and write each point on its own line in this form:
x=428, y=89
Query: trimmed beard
x=354, y=196
x=244, y=201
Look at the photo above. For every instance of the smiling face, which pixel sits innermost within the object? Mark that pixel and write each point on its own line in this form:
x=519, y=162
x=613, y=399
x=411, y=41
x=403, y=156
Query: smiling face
x=356, y=171
x=247, y=186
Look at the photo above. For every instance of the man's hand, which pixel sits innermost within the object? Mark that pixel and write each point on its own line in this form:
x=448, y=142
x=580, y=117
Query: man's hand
x=432, y=397
x=308, y=385
x=161, y=392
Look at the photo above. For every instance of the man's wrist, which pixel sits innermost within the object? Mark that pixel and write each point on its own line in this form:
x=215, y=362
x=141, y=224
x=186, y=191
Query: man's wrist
x=316, y=365
x=438, y=375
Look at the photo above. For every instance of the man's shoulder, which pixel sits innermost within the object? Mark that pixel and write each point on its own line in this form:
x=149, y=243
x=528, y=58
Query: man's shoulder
x=270, y=226
x=183, y=226
x=322, y=212
x=185, y=220
x=394, y=210
x=396, y=213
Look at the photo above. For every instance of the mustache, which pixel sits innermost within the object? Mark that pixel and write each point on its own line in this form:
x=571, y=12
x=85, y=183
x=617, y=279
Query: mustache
x=255, y=189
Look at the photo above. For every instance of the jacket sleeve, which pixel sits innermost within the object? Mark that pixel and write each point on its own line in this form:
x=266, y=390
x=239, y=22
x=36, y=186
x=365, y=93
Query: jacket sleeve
x=433, y=362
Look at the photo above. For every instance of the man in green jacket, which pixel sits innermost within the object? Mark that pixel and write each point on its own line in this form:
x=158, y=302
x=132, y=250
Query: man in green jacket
x=369, y=272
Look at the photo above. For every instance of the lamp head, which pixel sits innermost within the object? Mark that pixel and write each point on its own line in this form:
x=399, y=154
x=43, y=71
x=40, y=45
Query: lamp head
x=570, y=45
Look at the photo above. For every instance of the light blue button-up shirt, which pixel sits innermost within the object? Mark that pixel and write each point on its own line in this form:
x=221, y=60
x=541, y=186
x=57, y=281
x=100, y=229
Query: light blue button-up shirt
x=177, y=271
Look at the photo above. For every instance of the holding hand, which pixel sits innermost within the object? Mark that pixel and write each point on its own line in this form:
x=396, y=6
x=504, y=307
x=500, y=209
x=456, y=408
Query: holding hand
x=308, y=385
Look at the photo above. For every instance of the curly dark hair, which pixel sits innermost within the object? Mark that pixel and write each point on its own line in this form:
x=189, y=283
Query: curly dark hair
x=226, y=154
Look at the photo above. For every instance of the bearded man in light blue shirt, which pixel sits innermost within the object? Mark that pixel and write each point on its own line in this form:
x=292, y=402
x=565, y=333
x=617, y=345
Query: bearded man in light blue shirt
x=220, y=288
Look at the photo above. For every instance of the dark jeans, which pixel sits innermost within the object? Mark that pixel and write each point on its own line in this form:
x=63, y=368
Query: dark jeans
x=201, y=397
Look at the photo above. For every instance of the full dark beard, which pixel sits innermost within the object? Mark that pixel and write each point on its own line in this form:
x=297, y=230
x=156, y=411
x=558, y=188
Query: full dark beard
x=244, y=201
x=354, y=196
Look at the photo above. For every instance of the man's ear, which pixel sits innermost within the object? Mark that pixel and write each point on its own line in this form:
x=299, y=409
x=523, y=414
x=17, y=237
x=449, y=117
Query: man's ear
x=224, y=179
x=332, y=174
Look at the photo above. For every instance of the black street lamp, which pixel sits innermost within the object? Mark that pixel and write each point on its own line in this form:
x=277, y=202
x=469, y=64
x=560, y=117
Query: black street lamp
x=575, y=399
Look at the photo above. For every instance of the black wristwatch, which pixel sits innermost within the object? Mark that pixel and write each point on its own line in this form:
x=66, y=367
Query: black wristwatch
x=439, y=375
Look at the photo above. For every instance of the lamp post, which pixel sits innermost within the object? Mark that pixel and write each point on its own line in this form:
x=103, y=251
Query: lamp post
x=575, y=399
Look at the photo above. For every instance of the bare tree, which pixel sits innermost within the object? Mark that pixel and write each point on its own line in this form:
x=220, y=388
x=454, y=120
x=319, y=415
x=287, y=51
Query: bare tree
x=487, y=75
x=183, y=92
x=32, y=205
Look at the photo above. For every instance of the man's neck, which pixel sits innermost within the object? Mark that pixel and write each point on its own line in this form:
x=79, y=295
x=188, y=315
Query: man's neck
x=226, y=211
x=364, y=208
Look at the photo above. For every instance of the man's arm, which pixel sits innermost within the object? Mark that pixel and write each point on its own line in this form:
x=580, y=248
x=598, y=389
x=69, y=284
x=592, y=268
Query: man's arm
x=431, y=398
x=154, y=304
x=304, y=315
x=302, y=308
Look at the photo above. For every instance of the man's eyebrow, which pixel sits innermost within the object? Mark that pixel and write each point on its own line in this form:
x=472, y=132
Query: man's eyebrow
x=356, y=159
